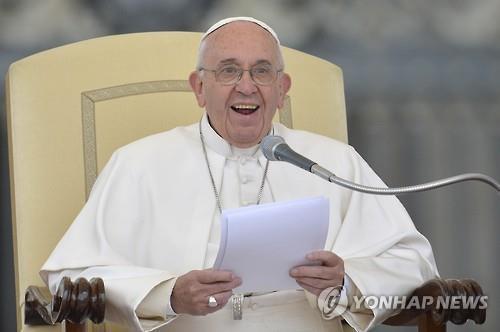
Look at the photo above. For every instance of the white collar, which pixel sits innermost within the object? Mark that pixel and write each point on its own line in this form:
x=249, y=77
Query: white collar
x=218, y=144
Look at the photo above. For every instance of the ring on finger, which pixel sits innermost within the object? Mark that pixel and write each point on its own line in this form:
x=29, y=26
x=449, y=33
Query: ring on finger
x=212, y=302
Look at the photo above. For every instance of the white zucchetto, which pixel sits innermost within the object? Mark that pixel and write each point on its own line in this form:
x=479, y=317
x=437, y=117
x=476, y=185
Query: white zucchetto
x=240, y=18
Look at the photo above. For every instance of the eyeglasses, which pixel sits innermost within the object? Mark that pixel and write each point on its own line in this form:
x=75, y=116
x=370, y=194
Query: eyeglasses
x=261, y=74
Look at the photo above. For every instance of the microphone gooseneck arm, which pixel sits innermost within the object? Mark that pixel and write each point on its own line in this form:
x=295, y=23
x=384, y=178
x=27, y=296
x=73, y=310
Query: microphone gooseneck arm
x=329, y=176
x=275, y=148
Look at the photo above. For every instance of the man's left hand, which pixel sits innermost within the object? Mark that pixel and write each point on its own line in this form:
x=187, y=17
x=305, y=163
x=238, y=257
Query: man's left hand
x=315, y=278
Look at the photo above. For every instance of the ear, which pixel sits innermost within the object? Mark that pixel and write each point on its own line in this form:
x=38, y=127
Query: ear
x=285, y=84
x=197, y=87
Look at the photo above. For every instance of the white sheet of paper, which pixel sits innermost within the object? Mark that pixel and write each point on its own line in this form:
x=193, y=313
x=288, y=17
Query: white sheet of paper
x=261, y=243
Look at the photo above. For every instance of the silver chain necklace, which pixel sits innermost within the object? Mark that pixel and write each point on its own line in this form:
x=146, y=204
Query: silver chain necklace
x=214, y=188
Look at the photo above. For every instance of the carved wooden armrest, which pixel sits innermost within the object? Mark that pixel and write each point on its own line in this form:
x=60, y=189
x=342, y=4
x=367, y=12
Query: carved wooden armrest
x=74, y=302
x=81, y=300
x=440, y=301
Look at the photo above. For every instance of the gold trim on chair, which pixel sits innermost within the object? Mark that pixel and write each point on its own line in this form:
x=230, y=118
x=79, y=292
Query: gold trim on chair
x=89, y=98
x=285, y=113
x=89, y=142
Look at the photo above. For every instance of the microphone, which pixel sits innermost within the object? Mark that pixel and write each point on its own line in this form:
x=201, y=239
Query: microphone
x=275, y=148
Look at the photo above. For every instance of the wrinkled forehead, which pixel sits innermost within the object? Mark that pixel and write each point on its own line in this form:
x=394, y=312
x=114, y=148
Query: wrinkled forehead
x=242, y=41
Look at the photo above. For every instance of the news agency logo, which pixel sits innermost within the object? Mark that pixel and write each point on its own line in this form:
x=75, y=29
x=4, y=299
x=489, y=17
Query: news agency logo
x=420, y=302
x=329, y=300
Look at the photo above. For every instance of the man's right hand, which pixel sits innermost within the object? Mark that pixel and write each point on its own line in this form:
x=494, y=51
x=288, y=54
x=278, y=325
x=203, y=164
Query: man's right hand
x=192, y=290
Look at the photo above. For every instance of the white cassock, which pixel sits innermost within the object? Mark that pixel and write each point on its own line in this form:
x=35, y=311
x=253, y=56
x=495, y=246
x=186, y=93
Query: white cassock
x=152, y=216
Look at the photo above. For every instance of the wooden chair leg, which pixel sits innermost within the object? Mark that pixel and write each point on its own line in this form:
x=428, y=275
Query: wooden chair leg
x=73, y=304
x=72, y=327
x=426, y=324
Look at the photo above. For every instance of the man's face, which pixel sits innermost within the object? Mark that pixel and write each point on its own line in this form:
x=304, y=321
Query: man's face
x=242, y=112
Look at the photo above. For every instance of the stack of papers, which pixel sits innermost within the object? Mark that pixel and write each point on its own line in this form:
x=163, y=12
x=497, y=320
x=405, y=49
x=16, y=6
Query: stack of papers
x=261, y=243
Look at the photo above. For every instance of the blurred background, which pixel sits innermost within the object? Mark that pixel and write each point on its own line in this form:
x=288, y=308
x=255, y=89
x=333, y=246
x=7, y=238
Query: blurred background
x=422, y=81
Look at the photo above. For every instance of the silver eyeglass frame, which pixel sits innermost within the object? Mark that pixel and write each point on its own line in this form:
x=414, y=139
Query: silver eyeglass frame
x=240, y=75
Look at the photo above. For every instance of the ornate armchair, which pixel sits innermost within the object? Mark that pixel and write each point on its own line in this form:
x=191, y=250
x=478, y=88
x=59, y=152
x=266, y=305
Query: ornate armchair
x=68, y=108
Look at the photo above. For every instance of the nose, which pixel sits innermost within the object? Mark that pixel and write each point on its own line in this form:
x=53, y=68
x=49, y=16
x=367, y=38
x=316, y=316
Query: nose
x=246, y=85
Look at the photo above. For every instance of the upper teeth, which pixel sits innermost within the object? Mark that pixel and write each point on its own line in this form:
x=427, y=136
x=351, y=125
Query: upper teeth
x=247, y=107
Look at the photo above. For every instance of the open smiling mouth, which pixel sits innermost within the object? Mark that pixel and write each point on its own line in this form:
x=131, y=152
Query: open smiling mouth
x=245, y=109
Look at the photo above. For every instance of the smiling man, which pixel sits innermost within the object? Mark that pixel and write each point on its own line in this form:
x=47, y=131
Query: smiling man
x=239, y=87
x=150, y=227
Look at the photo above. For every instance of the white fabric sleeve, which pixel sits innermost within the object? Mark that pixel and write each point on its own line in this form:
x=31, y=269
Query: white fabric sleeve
x=347, y=286
x=346, y=298
x=126, y=288
x=100, y=243
x=383, y=252
x=157, y=302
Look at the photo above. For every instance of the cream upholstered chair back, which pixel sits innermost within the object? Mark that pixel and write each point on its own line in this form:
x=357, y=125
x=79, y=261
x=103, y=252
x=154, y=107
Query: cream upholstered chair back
x=68, y=108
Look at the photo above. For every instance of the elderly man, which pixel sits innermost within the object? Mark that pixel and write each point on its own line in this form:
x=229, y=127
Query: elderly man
x=150, y=227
